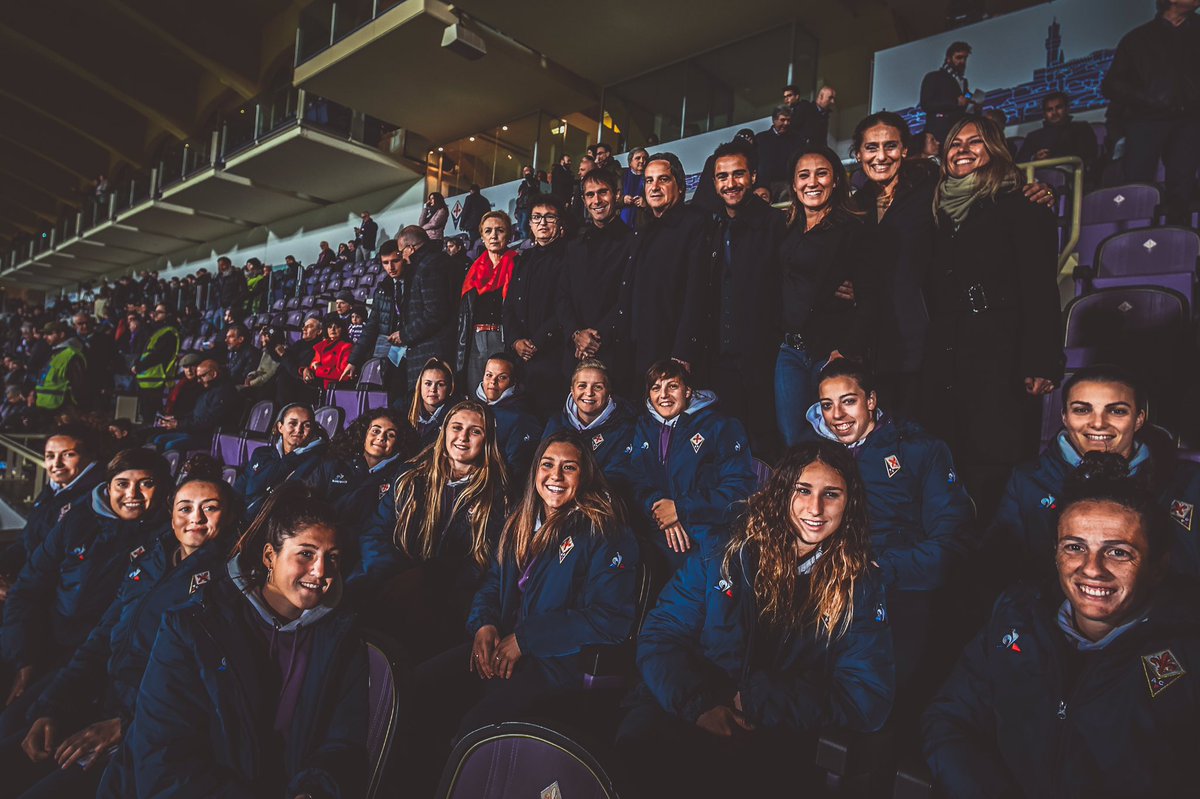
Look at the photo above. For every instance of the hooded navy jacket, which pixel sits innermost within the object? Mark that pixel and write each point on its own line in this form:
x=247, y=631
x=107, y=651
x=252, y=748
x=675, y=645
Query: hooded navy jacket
x=920, y=514
x=701, y=645
x=108, y=666
x=518, y=432
x=608, y=435
x=204, y=724
x=581, y=591
x=269, y=467
x=354, y=488
x=708, y=468
x=1026, y=714
x=1025, y=528
x=51, y=505
x=71, y=580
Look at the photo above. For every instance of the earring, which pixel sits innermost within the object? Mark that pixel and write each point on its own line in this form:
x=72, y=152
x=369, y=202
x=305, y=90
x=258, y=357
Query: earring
x=269, y=572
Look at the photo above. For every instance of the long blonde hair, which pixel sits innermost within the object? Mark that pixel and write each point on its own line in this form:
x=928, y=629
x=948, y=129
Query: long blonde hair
x=415, y=407
x=593, y=501
x=768, y=535
x=1000, y=172
x=419, y=527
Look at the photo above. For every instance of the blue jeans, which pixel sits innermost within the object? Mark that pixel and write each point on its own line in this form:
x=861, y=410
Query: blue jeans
x=797, y=375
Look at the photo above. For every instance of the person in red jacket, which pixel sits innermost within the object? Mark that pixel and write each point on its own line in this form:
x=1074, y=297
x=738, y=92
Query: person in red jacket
x=331, y=356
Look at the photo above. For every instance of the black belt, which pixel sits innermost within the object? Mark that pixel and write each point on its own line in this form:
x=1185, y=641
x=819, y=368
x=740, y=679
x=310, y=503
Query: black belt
x=795, y=341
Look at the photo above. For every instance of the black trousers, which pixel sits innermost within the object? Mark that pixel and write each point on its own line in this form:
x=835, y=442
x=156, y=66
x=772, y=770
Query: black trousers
x=1177, y=144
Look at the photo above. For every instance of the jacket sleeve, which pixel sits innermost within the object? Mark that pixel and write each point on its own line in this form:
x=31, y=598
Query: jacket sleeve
x=432, y=305
x=514, y=311
x=378, y=556
x=169, y=739
x=935, y=97
x=959, y=730
x=947, y=519
x=31, y=596
x=669, y=654
x=607, y=603
x=550, y=329
x=859, y=690
x=564, y=306
x=522, y=443
x=487, y=605
x=1121, y=83
x=365, y=347
x=1036, y=263
x=694, y=314
x=726, y=479
x=867, y=263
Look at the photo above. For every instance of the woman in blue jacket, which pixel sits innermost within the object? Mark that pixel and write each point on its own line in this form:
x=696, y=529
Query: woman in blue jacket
x=562, y=578
x=688, y=465
x=601, y=419
x=90, y=701
x=258, y=686
x=1086, y=688
x=752, y=650
x=432, y=397
x=294, y=451
x=74, y=575
x=433, y=534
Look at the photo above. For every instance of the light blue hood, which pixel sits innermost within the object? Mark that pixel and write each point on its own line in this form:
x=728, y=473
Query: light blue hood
x=254, y=596
x=817, y=420
x=1141, y=453
x=701, y=399
x=508, y=392
x=572, y=411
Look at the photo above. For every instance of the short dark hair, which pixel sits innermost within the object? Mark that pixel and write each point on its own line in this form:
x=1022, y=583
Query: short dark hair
x=84, y=437
x=389, y=247
x=1104, y=477
x=139, y=459
x=735, y=148
x=667, y=369
x=414, y=235
x=672, y=160
x=600, y=144
x=514, y=364
x=1106, y=373
x=791, y=87
x=845, y=367
x=887, y=119
x=1057, y=95
x=240, y=328
x=782, y=111
x=290, y=508
x=600, y=176
x=957, y=47
x=549, y=201
x=224, y=259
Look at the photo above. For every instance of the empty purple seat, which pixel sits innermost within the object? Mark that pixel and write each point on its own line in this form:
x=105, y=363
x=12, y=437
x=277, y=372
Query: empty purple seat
x=314, y=313
x=229, y=474
x=372, y=373
x=350, y=400
x=277, y=305
x=292, y=303
x=350, y=283
x=383, y=707
x=1090, y=237
x=292, y=336
x=295, y=319
x=1159, y=256
x=362, y=294
x=334, y=285
x=278, y=320
x=188, y=343
x=1132, y=201
x=229, y=449
x=1130, y=326
x=259, y=419
x=174, y=459
x=330, y=418
x=309, y=302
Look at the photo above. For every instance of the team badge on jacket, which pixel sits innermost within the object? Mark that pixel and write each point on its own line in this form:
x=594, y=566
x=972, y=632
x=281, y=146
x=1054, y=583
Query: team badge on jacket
x=63, y=511
x=1009, y=641
x=1162, y=669
x=383, y=489
x=565, y=548
x=893, y=465
x=1182, y=512
x=597, y=440
x=137, y=553
x=198, y=579
x=725, y=587
x=618, y=562
x=697, y=442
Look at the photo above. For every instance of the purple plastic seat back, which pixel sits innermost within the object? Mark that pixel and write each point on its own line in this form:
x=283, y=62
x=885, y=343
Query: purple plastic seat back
x=295, y=318
x=372, y=373
x=383, y=708
x=350, y=283
x=229, y=474
x=334, y=284
x=262, y=413
x=291, y=303
x=1091, y=236
x=514, y=760
x=372, y=400
x=229, y=448
x=293, y=336
x=762, y=473
x=348, y=399
x=277, y=305
x=188, y=343
x=362, y=294
x=1121, y=203
x=1148, y=251
x=1138, y=327
x=174, y=458
x=313, y=313
x=330, y=417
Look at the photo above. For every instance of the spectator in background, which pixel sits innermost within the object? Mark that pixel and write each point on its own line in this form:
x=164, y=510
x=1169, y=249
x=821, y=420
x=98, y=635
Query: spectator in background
x=605, y=160
x=155, y=366
x=483, y=293
x=1059, y=136
x=63, y=386
x=1153, y=80
x=289, y=385
x=527, y=190
x=434, y=215
x=578, y=208
x=474, y=206
x=358, y=321
x=241, y=357
x=34, y=347
x=456, y=249
x=633, y=188
x=774, y=146
x=364, y=238
x=326, y=256
x=230, y=288
x=331, y=355
x=810, y=119
x=562, y=181
x=14, y=413
x=260, y=383
x=945, y=92
x=182, y=399
x=343, y=304
x=217, y=404
x=257, y=282
x=101, y=353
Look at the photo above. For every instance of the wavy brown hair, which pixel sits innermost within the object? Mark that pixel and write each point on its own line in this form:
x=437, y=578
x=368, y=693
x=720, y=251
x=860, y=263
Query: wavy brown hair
x=420, y=525
x=436, y=364
x=593, y=501
x=768, y=534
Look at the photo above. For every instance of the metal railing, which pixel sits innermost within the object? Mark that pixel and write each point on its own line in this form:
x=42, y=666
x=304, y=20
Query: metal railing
x=23, y=475
x=1066, y=259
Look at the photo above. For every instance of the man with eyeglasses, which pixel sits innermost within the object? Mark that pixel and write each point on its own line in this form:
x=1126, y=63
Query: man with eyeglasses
x=531, y=325
x=218, y=404
x=155, y=367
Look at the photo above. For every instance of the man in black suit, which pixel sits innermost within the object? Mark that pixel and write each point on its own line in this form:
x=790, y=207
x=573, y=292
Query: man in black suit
x=364, y=238
x=945, y=93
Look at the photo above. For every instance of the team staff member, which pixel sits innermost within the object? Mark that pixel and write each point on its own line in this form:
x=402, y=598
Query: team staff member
x=688, y=464
x=1066, y=685
x=995, y=334
x=752, y=650
x=517, y=429
x=434, y=532
x=259, y=686
x=1104, y=410
x=600, y=418
x=94, y=695
x=71, y=579
x=480, y=311
x=921, y=518
x=293, y=452
x=72, y=474
x=154, y=369
x=432, y=397
x=63, y=383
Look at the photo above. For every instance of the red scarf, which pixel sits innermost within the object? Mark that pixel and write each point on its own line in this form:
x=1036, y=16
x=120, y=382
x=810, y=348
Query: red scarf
x=484, y=277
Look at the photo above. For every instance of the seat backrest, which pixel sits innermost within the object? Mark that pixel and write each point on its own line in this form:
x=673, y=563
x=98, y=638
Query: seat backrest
x=1126, y=318
x=330, y=417
x=1091, y=236
x=174, y=458
x=383, y=707
x=277, y=305
x=334, y=284
x=229, y=474
x=1101, y=131
x=1148, y=251
x=762, y=473
x=1120, y=203
x=372, y=373
x=295, y=318
x=291, y=303
x=262, y=413
x=362, y=294
x=518, y=759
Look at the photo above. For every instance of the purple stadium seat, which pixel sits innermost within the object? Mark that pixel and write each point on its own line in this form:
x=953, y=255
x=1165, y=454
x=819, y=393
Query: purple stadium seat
x=1125, y=319
x=372, y=373
x=1132, y=201
x=1160, y=256
x=229, y=474
x=362, y=294
x=350, y=283
x=262, y=319
x=762, y=472
x=1101, y=131
x=277, y=306
x=278, y=319
x=292, y=336
x=259, y=419
x=334, y=285
x=517, y=759
x=314, y=313
x=188, y=343
x=309, y=302
x=348, y=399
x=1090, y=237
x=229, y=448
x=330, y=417
x=372, y=400
x=359, y=270
x=295, y=319
x=292, y=303
x=174, y=459
x=383, y=707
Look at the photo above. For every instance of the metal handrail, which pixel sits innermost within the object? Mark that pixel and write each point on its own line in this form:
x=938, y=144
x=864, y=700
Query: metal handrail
x=1066, y=261
x=15, y=452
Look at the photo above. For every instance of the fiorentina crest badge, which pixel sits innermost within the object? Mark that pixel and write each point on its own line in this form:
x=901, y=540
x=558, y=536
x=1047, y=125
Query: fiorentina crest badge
x=565, y=548
x=597, y=440
x=893, y=465
x=1162, y=669
x=1182, y=512
x=198, y=579
x=697, y=442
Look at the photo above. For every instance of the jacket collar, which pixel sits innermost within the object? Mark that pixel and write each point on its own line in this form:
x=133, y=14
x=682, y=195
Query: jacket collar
x=572, y=414
x=59, y=489
x=701, y=399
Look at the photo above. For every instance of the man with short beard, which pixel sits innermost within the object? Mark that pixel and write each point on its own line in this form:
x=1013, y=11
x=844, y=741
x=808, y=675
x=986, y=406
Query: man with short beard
x=945, y=92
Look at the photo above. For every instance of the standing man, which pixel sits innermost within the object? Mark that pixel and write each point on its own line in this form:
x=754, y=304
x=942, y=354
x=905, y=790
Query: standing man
x=810, y=120
x=155, y=367
x=747, y=293
x=364, y=238
x=63, y=384
x=562, y=181
x=101, y=353
x=1153, y=79
x=230, y=289
x=773, y=147
x=605, y=161
x=666, y=291
x=945, y=93
x=327, y=256
x=474, y=206
x=527, y=190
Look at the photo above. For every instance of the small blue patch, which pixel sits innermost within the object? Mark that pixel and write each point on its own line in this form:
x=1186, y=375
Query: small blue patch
x=951, y=477
x=1049, y=502
x=880, y=613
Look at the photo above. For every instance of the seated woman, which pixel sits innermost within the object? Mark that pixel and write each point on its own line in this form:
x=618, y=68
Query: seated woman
x=259, y=688
x=260, y=383
x=1080, y=687
x=1103, y=410
x=562, y=578
x=517, y=429
x=362, y=463
x=752, y=650
x=331, y=355
x=87, y=705
x=687, y=466
x=601, y=419
x=431, y=398
x=72, y=578
x=294, y=451
x=434, y=532
x=921, y=518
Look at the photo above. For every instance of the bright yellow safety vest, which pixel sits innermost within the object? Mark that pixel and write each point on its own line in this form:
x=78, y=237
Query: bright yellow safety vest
x=163, y=374
x=54, y=387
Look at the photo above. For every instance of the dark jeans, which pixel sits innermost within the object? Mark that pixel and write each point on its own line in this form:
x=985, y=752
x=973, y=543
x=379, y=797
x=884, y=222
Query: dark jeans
x=1177, y=144
x=797, y=375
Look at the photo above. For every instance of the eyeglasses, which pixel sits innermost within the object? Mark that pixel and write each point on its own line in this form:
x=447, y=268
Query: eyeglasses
x=538, y=219
x=205, y=375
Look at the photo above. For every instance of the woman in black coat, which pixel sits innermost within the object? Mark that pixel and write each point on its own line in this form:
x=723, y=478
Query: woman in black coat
x=995, y=334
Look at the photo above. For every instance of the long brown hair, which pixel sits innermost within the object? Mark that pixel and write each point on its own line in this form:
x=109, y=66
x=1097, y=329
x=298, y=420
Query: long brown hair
x=839, y=198
x=998, y=174
x=768, y=533
x=414, y=408
x=593, y=501
x=418, y=528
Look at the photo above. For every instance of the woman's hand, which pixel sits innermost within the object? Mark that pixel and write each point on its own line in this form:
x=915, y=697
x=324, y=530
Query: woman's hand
x=1037, y=386
x=20, y=682
x=1038, y=193
x=347, y=373
x=307, y=374
x=723, y=721
x=677, y=538
x=524, y=348
x=39, y=742
x=93, y=741
x=507, y=655
x=664, y=513
x=483, y=652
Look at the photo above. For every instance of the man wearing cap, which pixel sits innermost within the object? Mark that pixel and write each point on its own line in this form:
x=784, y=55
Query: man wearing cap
x=182, y=399
x=62, y=386
x=155, y=367
x=343, y=304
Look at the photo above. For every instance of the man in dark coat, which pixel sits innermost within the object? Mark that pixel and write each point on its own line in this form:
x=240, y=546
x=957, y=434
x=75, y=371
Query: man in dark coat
x=101, y=352
x=527, y=190
x=945, y=93
x=1153, y=80
x=562, y=181
x=666, y=292
x=230, y=287
x=474, y=206
x=774, y=146
x=1059, y=136
x=364, y=238
x=218, y=405
x=414, y=314
x=241, y=357
x=810, y=118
